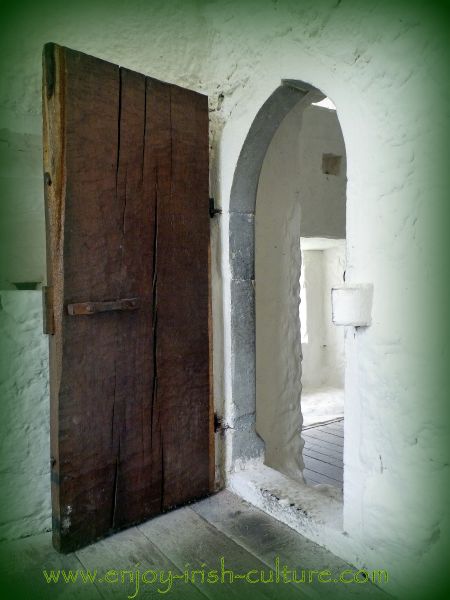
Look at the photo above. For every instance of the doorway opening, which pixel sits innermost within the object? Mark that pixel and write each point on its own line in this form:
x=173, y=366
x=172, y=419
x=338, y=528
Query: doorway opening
x=271, y=211
x=300, y=235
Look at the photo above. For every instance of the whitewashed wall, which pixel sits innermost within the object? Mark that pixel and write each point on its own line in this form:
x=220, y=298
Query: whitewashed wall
x=277, y=292
x=322, y=197
x=380, y=66
x=25, y=422
x=323, y=359
x=334, y=264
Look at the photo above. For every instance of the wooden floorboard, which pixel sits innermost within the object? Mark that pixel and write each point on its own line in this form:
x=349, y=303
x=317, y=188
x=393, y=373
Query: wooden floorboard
x=336, y=428
x=132, y=550
x=188, y=539
x=330, y=432
x=313, y=477
x=324, y=438
x=331, y=459
x=193, y=537
x=266, y=538
x=324, y=448
x=323, y=454
x=318, y=466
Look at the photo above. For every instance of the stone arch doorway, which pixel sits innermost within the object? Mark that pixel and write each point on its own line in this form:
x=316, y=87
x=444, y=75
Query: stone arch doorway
x=247, y=444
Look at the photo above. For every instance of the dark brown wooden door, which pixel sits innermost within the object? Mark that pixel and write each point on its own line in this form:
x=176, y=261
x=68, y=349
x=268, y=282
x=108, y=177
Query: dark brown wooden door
x=126, y=181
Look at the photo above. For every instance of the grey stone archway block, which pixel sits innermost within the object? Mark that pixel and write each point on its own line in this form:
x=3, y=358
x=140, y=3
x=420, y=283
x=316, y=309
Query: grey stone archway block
x=267, y=121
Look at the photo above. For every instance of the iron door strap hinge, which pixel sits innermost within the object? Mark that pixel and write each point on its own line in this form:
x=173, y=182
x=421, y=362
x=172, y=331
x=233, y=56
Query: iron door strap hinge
x=219, y=424
x=48, y=320
x=213, y=211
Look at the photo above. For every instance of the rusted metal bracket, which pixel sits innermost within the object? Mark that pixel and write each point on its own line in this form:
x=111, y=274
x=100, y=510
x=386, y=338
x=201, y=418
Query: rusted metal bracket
x=47, y=310
x=219, y=424
x=90, y=308
x=213, y=211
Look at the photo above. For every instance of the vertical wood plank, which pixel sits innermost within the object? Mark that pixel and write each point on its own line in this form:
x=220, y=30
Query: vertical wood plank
x=183, y=304
x=91, y=216
x=54, y=176
x=132, y=435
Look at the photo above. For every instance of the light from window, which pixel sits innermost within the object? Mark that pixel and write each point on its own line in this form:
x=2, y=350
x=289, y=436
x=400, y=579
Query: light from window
x=325, y=103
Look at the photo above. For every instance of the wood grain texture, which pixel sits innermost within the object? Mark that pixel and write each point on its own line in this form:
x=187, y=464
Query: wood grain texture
x=324, y=459
x=266, y=538
x=132, y=551
x=183, y=311
x=126, y=159
x=187, y=539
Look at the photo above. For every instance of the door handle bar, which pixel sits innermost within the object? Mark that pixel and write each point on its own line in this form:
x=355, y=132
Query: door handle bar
x=90, y=308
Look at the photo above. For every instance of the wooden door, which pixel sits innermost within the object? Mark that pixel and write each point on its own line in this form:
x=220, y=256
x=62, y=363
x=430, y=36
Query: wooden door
x=127, y=303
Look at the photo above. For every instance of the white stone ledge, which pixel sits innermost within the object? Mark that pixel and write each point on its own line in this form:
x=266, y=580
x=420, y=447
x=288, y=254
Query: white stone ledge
x=316, y=512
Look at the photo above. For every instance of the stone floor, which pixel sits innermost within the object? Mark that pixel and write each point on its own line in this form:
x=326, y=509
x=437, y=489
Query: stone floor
x=194, y=537
x=322, y=404
x=323, y=453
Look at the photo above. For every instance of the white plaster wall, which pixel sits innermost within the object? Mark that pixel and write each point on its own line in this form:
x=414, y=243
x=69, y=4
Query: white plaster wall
x=323, y=354
x=322, y=196
x=323, y=358
x=22, y=229
x=334, y=264
x=24, y=426
x=380, y=64
x=277, y=293
x=313, y=352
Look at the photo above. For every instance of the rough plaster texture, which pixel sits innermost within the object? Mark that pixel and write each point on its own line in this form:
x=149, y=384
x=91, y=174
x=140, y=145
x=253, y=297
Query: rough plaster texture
x=24, y=427
x=380, y=65
x=277, y=295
